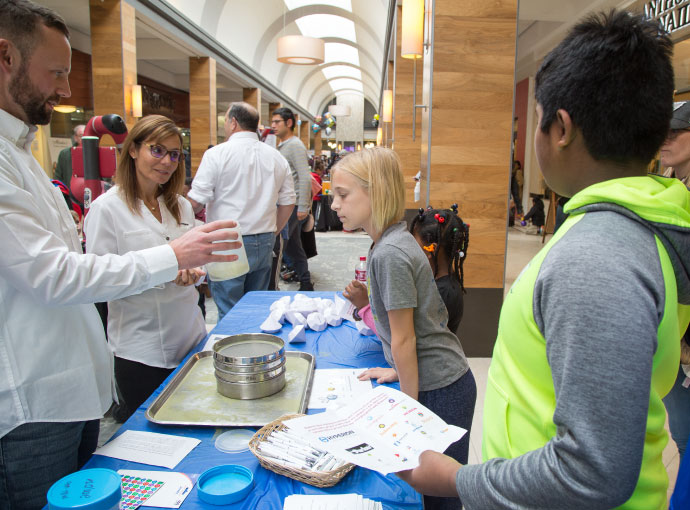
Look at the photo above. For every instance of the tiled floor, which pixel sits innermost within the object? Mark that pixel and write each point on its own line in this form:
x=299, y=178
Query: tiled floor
x=334, y=267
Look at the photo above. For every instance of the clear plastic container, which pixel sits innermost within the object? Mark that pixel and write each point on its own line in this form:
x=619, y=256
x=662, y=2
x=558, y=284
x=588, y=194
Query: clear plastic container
x=361, y=270
x=220, y=271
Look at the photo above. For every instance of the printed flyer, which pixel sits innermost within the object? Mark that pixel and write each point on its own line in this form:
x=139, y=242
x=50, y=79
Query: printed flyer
x=383, y=430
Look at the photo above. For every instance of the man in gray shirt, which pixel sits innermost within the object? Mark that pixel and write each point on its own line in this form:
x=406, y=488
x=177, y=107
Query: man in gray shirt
x=292, y=148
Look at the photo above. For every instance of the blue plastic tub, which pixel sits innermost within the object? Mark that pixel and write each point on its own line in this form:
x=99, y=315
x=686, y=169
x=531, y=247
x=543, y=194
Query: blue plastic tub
x=90, y=489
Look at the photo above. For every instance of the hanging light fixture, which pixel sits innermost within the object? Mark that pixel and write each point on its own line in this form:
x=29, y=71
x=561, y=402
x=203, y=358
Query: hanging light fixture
x=387, y=106
x=379, y=136
x=136, y=101
x=65, y=108
x=300, y=50
x=412, y=43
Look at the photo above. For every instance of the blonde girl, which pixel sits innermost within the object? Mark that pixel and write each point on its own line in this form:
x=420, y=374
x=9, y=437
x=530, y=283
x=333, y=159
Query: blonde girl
x=411, y=318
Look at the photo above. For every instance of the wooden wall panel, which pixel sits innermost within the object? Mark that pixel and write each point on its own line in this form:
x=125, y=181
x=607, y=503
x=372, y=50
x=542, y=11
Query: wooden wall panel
x=472, y=98
x=202, y=107
x=253, y=97
x=408, y=150
x=80, y=81
x=113, y=57
x=302, y=131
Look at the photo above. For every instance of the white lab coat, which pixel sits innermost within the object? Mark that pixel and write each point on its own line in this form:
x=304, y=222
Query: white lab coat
x=54, y=361
x=161, y=325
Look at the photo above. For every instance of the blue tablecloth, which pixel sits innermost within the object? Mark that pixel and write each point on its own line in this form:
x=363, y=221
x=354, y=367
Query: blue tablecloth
x=341, y=347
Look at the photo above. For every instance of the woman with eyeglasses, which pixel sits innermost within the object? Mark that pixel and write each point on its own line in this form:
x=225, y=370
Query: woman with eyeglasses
x=152, y=332
x=675, y=157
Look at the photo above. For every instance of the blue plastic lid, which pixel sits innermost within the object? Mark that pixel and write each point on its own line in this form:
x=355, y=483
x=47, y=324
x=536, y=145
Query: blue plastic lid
x=90, y=489
x=222, y=485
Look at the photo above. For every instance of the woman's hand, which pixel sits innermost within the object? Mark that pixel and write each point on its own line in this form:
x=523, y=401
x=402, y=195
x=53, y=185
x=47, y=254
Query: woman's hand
x=356, y=292
x=382, y=375
x=188, y=277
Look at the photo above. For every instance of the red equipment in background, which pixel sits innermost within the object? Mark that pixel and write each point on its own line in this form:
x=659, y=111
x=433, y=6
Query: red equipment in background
x=91, y=163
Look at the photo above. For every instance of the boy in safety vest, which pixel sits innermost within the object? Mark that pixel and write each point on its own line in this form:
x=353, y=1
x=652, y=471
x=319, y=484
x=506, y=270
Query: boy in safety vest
x=588, y=339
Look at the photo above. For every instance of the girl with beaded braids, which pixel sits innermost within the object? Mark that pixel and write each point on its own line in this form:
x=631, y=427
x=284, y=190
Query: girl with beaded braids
x=444, y=237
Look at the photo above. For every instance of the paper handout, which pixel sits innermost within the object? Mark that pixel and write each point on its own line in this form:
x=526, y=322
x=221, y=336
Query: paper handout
x=329, y=502
x=383, y=430
x=149, y=448
x=176, y=487
x=336, y=387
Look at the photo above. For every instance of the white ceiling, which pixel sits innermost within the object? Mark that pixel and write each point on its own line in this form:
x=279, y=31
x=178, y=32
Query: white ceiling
x=249, y=30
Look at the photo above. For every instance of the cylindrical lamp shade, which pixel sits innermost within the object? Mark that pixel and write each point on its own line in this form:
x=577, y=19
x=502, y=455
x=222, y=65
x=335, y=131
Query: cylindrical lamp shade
x=379, y=136
x=137, y=107
x=65, y=108
x=300, y=50
x=412, y=43
x=387, y=106
x=340, y=110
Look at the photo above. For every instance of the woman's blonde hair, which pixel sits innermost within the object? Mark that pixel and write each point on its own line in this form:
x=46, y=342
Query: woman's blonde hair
x=153, y=129
x=378, y=171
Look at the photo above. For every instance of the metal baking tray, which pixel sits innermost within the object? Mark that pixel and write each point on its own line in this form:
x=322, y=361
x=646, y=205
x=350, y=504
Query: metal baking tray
x=191, y=397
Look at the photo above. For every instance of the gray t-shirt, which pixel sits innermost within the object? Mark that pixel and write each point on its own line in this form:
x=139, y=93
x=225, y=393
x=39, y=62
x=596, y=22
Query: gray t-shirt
x=400, y=277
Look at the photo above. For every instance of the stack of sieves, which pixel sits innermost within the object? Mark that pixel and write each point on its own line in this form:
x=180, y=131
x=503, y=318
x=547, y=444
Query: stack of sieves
x=249, y=366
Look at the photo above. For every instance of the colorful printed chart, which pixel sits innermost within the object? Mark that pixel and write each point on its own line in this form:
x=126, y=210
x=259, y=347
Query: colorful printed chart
x=136, y=490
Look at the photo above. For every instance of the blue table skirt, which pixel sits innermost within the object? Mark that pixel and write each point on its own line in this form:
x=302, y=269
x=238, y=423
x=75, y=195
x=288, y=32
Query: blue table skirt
x=341, y=347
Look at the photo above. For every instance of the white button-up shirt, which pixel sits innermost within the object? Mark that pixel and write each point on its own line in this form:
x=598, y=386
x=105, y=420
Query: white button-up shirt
x=243, y=179
x=159, y=326
x=55, y=364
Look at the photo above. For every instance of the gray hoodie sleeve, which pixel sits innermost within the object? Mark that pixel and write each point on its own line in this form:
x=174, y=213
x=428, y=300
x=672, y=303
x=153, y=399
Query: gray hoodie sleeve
x=598, y=301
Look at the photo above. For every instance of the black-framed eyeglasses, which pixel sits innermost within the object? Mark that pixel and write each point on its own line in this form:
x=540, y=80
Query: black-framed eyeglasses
x=673, y=133
x=159, y=152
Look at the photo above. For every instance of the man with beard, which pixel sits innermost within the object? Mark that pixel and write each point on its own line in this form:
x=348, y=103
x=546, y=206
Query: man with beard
x=55, y=366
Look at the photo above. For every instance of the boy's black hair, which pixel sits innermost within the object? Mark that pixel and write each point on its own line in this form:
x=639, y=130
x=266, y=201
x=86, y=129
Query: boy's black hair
x=447, y=230
x=286, y=114
x=614, y=76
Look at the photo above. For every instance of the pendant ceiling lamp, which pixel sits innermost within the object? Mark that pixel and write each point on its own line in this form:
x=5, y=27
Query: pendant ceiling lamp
x=340, y=110
x=300, y=50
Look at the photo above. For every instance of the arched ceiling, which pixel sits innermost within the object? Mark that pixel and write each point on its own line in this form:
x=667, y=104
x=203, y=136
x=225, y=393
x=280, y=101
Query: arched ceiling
x=353, y=32
x=242, y=35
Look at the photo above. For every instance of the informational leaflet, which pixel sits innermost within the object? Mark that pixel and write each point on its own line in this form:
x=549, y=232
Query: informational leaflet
x=383, y=430
x=175, y=487
x=149, y=448
x=330, y=502
x=335, y=387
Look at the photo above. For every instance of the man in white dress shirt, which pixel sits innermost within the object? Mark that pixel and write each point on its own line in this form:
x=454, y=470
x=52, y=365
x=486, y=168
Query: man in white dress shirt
x=243, y=179
x=55, y=366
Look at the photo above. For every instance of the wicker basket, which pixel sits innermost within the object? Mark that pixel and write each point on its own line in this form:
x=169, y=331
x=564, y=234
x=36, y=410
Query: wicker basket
x=315, y=478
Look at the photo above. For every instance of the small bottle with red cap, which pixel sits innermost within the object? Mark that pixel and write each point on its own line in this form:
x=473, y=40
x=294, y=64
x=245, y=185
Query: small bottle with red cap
x=361, y=270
